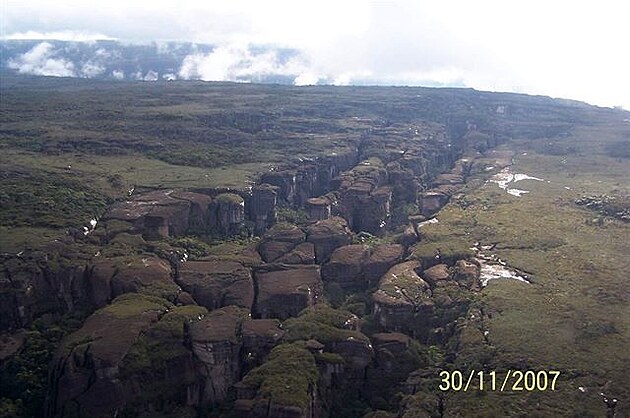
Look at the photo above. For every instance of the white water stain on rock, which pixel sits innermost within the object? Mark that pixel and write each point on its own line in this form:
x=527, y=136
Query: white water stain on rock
x=492, y=267
x=497, y=271
x=87, y=230
x=505, y=178
x=427, y=222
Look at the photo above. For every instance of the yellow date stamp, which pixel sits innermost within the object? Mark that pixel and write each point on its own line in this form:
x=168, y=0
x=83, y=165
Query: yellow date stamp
x=493, y=381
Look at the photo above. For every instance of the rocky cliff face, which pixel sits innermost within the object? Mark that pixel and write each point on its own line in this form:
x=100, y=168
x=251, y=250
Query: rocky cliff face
x=218, y=283
x=283, y=291
x=216, y=343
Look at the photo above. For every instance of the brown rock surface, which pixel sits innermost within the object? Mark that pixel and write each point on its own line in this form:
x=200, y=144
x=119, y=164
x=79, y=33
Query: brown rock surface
x=303, y=253
x=216, y=343
x=284, y=291
x=403, y=299
x=436, y=274
x=113, y=277
x=259, y=337
x=279, y=240
x=382, y=258
x=327, y=235
x=466, y=273
x=263, y=206
x=86, y=367
x=345, y=266
x=218, y=283
x=394, y=342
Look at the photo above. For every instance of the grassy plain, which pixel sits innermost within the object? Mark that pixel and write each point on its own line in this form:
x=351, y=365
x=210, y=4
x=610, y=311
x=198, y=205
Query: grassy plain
x=575, y=315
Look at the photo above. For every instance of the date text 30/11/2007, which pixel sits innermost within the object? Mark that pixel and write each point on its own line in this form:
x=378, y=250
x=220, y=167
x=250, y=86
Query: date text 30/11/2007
x=513, y=381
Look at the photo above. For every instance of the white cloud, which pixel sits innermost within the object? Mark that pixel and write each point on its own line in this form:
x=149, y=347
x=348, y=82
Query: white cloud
x=118, y=74
x=41, y=60
x=151, y=76
x=92, y=69
x=306, y=79
x=559, y=48
x=64, y=35
x=238, y=63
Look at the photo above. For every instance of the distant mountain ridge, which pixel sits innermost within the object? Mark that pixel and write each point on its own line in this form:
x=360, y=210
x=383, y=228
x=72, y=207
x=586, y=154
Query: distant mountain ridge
x=116, y=60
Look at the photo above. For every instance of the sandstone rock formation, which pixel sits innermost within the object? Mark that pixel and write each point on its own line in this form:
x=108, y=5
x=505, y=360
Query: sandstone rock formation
x=328, y=234
x=218, y=283
x=283, y=291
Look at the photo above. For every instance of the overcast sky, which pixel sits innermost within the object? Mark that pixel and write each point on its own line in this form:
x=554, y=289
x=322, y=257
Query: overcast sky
x=571, y=49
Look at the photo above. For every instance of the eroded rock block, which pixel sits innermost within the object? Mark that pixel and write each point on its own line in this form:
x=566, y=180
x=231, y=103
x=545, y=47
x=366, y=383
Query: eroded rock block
x=218, y=283
x=284, y=291
x=327, y=235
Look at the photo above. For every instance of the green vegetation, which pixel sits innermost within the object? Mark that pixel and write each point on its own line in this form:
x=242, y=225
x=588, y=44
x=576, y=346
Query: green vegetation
x=24, y=377
x=292, y=216
x=39, y=200
x=287, y=377
x=573, y=317
x=323, y=323
x=69, y=154
x=132, y=304
x=161, y=344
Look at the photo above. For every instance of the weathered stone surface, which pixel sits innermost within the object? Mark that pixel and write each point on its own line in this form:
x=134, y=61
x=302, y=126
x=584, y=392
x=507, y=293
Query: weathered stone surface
x=448, y=178
x=436, y=274
x=356, y=352
x=272, y=250
x=327, y=235
x=262, y=208
x=394, y=342
x=133, y=274
x=284, y=291
x=303, y=253
x=216, y=343
x=113, y=277
x=227, y=213
x=259, y=337
x=185, y=298
x=466, y=273
x=364, y=198
x=218, y=283
x=432, y=201
x=199, y=216
x=345, y=266
x=409, y=236
x=163, y=213
x=86, y=367
x=279, y=240
x=403, y=300
x=318, y=208
x=382, y=258
x=284, y=181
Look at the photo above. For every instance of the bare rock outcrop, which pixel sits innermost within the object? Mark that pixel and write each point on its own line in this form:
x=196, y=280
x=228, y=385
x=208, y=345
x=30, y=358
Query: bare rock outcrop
x=285, y=290
x=86, y=376
x=280, y=240
x=263, y=204
x=216, y=343
x=327, y=235
x=345, y=266
x=403, y=299
x=217, y=283
x=227, y=213
x=113, y=277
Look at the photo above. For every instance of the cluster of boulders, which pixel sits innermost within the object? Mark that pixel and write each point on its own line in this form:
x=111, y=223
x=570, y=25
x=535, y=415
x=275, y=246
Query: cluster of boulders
x=444, y=186
x=195, y=332
x=169, y=213
x=425, y=302
x=191, y=330
x=612, y=206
